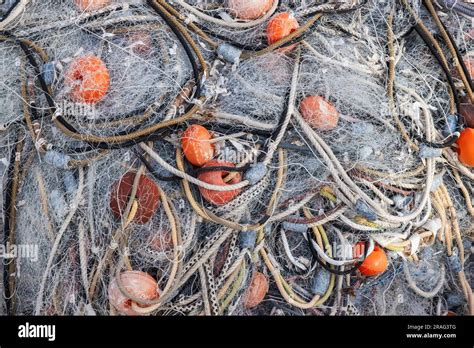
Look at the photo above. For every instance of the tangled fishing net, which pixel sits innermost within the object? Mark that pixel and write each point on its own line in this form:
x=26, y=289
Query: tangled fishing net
x=193, y=157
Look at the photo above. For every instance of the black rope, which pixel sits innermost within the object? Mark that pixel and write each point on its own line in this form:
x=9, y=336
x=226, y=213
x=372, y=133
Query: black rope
x=458, y=55
x=152, y=171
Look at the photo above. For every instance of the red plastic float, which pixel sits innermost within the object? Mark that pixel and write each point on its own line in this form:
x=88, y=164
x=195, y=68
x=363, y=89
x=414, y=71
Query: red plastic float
x=88, y=79
x=217, y=178
x=148, y=197
x=279, y=27
x=196, y=145
x=91, y=5
x=466, y=147
x=319, y=113
x=139, y=284
x=257, y=291
x=375, y=263
x=249, y=9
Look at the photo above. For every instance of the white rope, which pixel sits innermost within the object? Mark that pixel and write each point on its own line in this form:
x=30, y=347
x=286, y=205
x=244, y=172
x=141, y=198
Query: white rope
x=188, y=177
x=328, y=218
x=330, y=260
x=246, y=121
x=54, y=249
x=289, y=113
x=415, y=288
x=336, y=169
x=17, y=11
x=294, y=208
x=286, y=246
x=343, y=5
x=235, y=24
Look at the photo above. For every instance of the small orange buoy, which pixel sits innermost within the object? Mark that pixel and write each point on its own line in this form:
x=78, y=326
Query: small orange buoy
x=91, y=5
x=88, y=78
x=217, y=178
x=466, y=147
x=147, y=197
x=139, y=284
x=280, y=26
x=375, y=263
x=256, y=292
x=249, y=9
x=196, y=145
x=319, y=113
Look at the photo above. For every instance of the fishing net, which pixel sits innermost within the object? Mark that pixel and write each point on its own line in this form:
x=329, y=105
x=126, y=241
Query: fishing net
x=335, y=184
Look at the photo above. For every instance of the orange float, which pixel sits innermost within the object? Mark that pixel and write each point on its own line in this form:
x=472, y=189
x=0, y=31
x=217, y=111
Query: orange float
x=91, y=5
x=196, y=145
x=279, y=27
x=319, y=113
x=249, y=9
x=257, y=291
x=138, y=284
x=88, y=79
x=375, y=263
x=147, y=197
x=466, y=147
x=217, y=178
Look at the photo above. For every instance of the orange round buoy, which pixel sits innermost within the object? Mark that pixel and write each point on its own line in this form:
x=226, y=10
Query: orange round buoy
x=139, y=284
x=375, y=263
x=217, y=178
x=88, y=79
x=319, y=113
x=147, y=196
x=91, y=5
x=280, y=26
x=196, y=145
x=249, y=9
x=466, y=147
x=257, y=291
